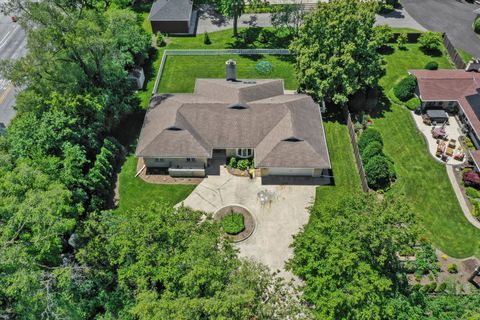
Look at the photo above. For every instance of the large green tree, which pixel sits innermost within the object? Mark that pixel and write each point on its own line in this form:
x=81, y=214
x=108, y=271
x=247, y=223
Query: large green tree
x=337, y=50
x=234, y=9
x=347, y=256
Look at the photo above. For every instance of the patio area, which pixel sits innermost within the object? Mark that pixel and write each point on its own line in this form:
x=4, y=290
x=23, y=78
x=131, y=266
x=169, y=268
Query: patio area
x=443, y=140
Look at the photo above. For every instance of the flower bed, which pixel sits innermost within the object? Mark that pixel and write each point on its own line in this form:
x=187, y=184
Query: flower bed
x=230, y=221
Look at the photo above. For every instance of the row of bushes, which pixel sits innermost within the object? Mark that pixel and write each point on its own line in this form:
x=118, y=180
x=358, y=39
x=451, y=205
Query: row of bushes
x=101, y=175
x=379, y=168
x=242, y=164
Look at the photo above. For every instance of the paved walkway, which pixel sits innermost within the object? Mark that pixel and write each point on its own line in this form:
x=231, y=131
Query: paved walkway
x=460, y=197
x=399, y=18
x=276, y=223
x=452, y=17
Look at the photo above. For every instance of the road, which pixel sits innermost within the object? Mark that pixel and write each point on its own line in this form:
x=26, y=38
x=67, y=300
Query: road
x=12, y=46
x=455, y=18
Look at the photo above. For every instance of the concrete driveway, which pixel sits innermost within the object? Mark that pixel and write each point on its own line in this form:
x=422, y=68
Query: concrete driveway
x=455, y=18
x=276, y=223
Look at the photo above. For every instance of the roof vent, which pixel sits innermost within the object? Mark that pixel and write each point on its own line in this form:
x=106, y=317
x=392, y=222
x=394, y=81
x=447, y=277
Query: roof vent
x=174, y=129
x=292, y=139
x=238, y=106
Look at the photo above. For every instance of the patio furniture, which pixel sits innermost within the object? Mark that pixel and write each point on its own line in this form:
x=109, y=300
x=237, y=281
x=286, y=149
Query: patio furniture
x=449, y=151
x=439, y=133
x=452, y=143
x=459, y=156
x=426, y=120
x=437, y=115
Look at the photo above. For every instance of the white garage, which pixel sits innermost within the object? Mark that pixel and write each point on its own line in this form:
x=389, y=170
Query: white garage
x=290, y=172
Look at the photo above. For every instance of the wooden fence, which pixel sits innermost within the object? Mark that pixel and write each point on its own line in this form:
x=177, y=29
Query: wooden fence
x=453, y=53
x=356, y=151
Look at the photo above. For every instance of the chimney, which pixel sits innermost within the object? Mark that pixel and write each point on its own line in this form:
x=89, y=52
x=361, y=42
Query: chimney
x=231, y=70
x=473, y=65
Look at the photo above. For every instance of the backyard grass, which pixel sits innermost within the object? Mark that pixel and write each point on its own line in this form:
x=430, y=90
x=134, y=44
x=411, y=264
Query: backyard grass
x=466, y=57
x=134, y=192
x=190, y=68
x=347, y=179
x=422, y=180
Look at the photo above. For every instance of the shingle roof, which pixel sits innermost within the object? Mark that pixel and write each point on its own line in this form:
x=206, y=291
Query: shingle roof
x=251, y=114
x=452, y=85
x=171, y=10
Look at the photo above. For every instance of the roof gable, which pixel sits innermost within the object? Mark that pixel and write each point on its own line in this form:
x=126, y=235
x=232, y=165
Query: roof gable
x=171, y=10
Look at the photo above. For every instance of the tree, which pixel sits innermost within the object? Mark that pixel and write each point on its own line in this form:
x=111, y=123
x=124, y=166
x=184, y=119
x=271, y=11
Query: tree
x=337, y=50
x=289, y=16
x=380, y=172
x=234, y=9
x=431, y=42
x=402, y=40
x=347, y=256
x=177, y=267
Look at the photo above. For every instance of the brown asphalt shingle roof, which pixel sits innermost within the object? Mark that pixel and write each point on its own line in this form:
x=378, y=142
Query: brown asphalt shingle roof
x=452, y=85
x=222, y=114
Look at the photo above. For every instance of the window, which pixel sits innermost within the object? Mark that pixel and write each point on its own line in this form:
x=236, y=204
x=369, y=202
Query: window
x=244, y=153
x=158, y=160
x=190, y=159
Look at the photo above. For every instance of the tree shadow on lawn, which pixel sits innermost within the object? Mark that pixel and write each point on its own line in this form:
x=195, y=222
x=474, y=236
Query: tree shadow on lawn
x=383, y=104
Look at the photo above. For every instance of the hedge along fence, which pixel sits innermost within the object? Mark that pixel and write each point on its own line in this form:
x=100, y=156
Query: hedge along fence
x=213, y=52
x=100, y=176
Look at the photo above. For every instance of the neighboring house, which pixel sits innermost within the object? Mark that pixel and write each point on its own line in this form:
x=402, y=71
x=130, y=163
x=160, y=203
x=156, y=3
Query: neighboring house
x=171, y=16
x=456, y=91
x=188, y=133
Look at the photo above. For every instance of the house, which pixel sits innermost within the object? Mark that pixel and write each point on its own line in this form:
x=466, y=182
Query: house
x=186, y=134
x=456, y=91
x=171, y=16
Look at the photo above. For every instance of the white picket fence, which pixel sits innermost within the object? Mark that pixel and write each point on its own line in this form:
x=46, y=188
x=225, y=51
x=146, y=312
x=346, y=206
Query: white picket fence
x=212, y=52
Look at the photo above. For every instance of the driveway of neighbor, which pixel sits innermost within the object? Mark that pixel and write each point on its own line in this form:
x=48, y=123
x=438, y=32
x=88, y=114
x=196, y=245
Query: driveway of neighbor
x=211, y=21
x=452, y=17
x=276, y=223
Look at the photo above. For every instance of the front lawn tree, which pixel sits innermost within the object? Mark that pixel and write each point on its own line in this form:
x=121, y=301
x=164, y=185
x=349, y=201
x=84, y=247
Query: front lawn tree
x=234, y=9
x=337, y=50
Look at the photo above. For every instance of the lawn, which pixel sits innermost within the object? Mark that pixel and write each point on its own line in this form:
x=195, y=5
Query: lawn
x=466, y=56
x=422, y=180
x=190, y=68
x=135, y=192
x=347, y=179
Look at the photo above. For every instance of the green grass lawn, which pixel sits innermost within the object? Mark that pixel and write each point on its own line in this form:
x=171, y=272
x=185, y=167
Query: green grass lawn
x=346, y=177
x=135, y=192
x=190, y=68
x=466, y=56
x=422, y=180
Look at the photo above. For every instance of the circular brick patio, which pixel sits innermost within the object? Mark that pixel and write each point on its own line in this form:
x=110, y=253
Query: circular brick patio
x=248, y=220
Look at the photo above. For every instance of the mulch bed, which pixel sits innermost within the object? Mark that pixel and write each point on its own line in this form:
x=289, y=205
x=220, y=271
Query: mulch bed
x=247, y=219
x=238, y=172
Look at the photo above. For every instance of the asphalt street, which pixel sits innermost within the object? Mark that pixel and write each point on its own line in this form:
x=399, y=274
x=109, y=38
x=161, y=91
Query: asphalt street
x=454, y=17
x=12, y=46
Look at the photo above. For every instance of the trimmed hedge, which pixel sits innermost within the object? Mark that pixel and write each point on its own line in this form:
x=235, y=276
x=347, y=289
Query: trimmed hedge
x=373, y=149
x=432, y=65
x=380, y=172
x=472, y=192
x=476, y=25
x=369, y=136
x=405, y=89
x=233, y=223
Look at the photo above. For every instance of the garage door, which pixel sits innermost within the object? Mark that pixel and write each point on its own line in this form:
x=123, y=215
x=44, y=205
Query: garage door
x=290, y=172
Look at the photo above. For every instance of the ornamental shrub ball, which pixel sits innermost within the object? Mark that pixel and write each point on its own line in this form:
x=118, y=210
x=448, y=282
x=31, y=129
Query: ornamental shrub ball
x=476, y=25
x=432, y=65
x=405, y=89
x=431, y=42
x=368, y=136
x=233, y=162
x=373, y=149
x=472, y=192
x=264, y=67
x=233, y=223
x=471, y=179
x=242, y=164
x=378, y=172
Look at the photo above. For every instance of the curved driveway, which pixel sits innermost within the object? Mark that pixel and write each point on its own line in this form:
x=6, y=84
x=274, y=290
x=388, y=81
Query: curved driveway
x=453, y=17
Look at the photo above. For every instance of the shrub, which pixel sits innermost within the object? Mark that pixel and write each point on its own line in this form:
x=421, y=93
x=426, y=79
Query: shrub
x=206, y=38
x=430, y=42
x=472, y=192
x=476, y=25
x=373, y=149
x=441, y=288
x=402, y=40
x=413, y=103
x=432, y=65
x=471, y=179
x=233, y=162
x=263, y=36
x=368, y=136
x=233, y=223
x=429, y=288
x=409, y=267
x=242, y=164
x=160, y=39
x=405, y=89
x=264, y=67
x=426, y=260
x=452, y=268
x=379, y=172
